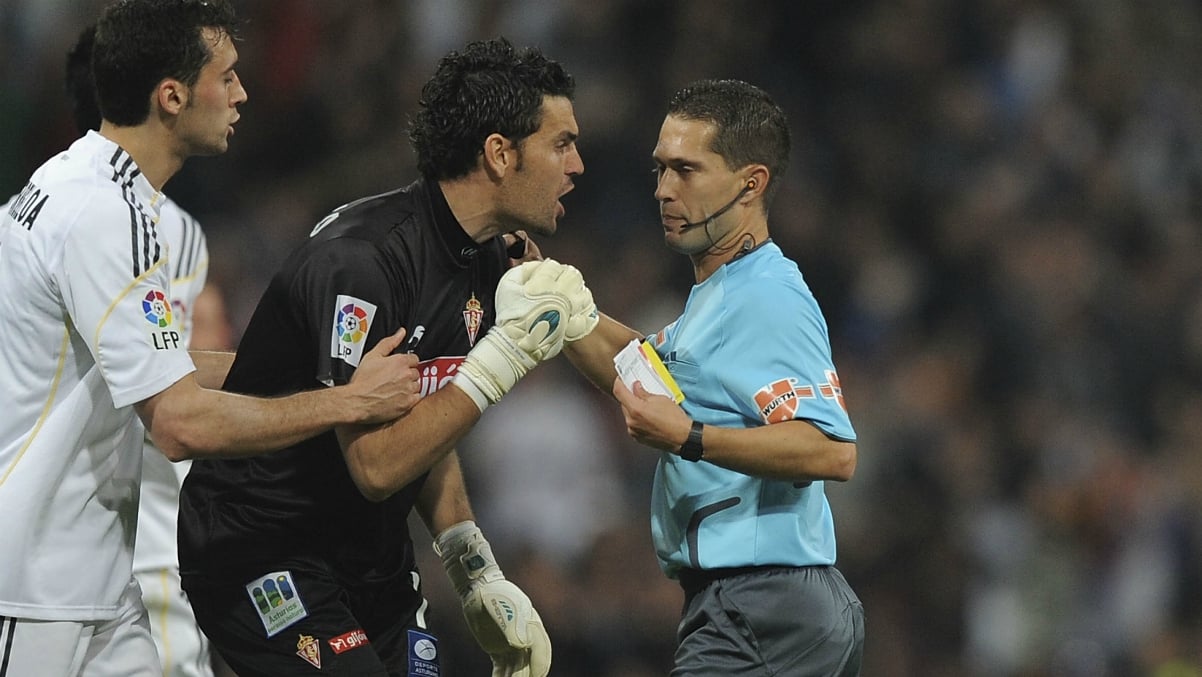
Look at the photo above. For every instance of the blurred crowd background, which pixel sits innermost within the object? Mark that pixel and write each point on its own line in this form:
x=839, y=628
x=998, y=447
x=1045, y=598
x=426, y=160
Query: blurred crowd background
x=996, y=202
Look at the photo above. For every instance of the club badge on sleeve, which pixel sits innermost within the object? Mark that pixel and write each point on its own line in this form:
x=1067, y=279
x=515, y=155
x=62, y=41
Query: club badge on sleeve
x=352, y=321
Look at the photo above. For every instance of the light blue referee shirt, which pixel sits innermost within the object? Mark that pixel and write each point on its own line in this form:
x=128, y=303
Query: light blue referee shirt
x=750, y=349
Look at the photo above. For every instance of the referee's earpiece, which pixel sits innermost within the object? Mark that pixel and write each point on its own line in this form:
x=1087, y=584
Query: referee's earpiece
x=751, y=185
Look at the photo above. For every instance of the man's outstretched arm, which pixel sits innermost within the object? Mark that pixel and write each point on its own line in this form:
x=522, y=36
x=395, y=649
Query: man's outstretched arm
x=593, y=355
x=188, y=421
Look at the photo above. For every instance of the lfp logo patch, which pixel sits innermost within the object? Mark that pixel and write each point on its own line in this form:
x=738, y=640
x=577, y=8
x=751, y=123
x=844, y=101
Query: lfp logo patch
x=157, y=309
x=352, y=322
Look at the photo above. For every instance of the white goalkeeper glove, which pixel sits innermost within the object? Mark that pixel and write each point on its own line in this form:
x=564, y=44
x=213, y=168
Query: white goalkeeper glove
x=521, y=338
x=498, y=613
x=515, y=294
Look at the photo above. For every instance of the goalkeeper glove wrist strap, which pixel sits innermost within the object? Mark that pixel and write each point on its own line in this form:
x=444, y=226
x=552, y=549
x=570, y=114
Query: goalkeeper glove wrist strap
x=467, y=557
x=469, y=388
x=492, y=367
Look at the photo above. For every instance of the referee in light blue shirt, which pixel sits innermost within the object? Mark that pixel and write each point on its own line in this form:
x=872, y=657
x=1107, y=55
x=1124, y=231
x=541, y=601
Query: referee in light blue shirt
x=739, y=513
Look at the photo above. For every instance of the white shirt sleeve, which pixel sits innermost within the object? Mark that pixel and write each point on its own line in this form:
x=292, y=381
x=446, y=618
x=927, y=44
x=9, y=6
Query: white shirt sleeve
x=116, y=286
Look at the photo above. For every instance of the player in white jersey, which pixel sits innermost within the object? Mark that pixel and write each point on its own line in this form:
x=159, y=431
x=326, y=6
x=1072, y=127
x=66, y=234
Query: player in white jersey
x=183, y=649
x=88, y=339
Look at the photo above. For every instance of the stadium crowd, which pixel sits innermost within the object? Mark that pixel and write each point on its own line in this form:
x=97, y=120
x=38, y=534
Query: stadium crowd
x=998, y=204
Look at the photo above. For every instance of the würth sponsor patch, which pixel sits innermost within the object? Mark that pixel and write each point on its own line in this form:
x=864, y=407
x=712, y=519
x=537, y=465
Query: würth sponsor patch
x=778, y=400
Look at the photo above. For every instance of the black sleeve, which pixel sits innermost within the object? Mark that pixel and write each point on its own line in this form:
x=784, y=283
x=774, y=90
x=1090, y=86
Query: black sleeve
x=349, y=303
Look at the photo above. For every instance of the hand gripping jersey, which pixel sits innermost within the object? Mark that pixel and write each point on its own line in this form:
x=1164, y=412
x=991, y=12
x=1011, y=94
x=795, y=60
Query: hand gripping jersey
x=383, y=262
x=86, y=331
x=750, y=349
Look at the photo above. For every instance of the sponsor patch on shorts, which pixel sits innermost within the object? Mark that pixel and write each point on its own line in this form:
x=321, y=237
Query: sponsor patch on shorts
x=423, y=655
x=347, y=641
x=276, y=600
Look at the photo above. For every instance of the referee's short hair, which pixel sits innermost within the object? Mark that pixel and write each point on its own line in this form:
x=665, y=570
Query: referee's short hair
x=749, y=127
x=139, y=43
x=488, y=87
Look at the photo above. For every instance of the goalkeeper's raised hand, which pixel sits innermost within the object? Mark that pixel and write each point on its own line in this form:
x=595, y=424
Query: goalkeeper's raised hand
x=516, y=294
x=498, y=613
x=524, y=335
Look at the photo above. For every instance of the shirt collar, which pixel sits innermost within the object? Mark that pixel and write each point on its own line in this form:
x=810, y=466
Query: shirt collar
x=119, y=167
x=461, y=248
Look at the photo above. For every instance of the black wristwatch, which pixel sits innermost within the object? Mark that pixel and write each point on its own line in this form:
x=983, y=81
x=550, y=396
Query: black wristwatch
x=692, y=450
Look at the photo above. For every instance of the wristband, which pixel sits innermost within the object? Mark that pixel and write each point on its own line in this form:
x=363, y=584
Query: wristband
x=692, y=450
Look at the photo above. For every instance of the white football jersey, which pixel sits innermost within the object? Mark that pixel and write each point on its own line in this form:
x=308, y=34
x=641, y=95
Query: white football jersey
x=86, y=331
x=188, y=257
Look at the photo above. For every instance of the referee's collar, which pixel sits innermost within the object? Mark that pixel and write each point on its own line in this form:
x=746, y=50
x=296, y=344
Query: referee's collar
x=461, y=248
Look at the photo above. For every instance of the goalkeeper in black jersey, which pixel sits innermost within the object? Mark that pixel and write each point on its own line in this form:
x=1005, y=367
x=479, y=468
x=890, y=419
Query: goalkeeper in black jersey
x=302, y=560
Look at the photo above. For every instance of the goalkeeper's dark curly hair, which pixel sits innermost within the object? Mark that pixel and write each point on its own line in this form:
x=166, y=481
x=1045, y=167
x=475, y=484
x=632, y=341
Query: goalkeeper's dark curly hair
x=141, y=42
x=489, y=87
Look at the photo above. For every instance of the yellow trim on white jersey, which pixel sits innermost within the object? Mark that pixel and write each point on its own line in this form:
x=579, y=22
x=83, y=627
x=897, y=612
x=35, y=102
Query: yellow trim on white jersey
x=58, y=375
x=109, y=311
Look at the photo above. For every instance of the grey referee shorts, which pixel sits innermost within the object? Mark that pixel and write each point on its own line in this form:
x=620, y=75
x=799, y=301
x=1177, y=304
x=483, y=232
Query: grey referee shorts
x=778, y=621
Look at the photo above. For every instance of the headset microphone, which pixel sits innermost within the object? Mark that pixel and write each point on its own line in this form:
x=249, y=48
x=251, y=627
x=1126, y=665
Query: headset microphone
x=725, y=208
